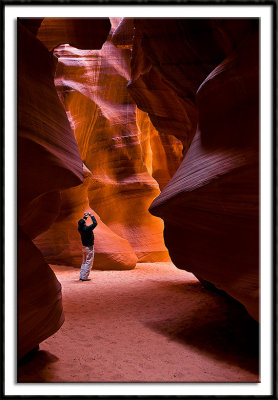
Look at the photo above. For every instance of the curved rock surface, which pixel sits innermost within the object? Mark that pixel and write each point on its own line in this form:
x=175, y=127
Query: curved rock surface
x=171, y=57
x=163, y=154
x=61, y=243
x=115, y=146
x=44, y=136
x=167, y=70
x=201, y=96
x=83, y=33
x=40, y=311
x=48, y=162
x=211, y=205
x=123, y=33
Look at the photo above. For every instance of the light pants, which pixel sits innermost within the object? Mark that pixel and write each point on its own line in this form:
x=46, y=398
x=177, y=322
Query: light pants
x=87, y=262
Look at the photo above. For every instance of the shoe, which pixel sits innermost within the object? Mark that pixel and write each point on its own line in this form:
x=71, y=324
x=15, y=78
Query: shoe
x=84, y=279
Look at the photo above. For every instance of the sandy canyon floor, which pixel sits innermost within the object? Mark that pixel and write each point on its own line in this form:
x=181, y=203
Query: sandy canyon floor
x=151, y=324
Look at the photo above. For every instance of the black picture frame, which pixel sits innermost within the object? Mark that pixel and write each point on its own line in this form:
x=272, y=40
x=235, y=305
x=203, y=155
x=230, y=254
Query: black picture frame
x=177, y=3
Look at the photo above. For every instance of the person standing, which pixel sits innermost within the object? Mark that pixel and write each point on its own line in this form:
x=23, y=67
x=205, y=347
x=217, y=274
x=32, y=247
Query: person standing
x=87, y=239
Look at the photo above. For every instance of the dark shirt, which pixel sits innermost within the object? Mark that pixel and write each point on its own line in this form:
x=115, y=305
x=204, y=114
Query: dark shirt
x=87, y=234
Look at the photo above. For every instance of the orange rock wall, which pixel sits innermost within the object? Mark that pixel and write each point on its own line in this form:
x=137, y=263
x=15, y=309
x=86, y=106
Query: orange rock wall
x=127, y=159
x=162, y=153
x=61, y=244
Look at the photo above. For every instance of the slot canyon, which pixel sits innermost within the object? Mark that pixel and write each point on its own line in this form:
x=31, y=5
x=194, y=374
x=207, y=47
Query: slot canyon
x=152, y=125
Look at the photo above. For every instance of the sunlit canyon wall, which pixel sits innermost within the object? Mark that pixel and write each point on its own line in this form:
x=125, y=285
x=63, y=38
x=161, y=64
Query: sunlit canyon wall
x=125, y=159
x=159, y=114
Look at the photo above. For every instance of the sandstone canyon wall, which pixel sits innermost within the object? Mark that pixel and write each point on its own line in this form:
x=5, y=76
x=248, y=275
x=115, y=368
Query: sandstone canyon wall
x=205, y=88
x=164, y=115
x=127, y=162
x=48, y=163
x=61, y=244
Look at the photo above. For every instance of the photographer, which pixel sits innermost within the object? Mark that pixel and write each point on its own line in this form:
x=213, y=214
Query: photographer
x=87, y=238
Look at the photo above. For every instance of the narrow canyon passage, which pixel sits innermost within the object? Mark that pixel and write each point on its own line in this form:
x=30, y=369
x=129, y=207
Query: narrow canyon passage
x=154, y=323
x=152, y=126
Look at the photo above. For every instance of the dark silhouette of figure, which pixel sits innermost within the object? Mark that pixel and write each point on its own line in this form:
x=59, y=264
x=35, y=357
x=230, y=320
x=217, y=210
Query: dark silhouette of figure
x=87, y=238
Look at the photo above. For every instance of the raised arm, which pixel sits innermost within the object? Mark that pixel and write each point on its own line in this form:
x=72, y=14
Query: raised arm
x=94, y=224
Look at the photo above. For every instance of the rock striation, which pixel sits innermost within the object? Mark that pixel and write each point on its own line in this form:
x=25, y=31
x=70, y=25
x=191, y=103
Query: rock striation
x=48, y=163
x=40, y=311
x=211, y=205
x=162, y=116
x=121, y=149
x=163, y=153
x=61, y=244
x=166, y=71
